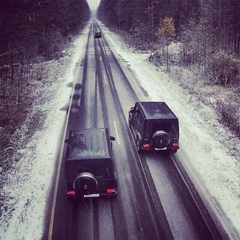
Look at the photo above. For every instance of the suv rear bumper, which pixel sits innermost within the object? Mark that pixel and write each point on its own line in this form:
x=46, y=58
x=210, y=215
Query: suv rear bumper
x=151, y=148
x=92, y=195
x=110, y=192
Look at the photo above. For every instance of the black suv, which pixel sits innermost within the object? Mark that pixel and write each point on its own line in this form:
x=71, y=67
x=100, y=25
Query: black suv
x=89, y=166
x=97, y=35
x=154, y=126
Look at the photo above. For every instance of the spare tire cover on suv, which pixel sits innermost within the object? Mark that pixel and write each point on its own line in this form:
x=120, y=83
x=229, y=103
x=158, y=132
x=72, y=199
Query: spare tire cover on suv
x=160, y=139
x=85, y=182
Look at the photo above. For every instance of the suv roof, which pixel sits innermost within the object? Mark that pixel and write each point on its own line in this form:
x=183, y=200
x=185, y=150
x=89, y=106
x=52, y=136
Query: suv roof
x=88, y=144
x=157, y=110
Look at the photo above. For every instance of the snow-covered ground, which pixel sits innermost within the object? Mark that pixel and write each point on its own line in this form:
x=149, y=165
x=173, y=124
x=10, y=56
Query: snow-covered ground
x=209, y=152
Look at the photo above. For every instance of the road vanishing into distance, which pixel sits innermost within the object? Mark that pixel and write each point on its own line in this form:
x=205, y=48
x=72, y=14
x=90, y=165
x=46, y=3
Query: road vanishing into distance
x=156, y=199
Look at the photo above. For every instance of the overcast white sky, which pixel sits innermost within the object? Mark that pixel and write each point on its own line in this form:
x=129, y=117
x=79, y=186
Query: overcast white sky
x=93, y=4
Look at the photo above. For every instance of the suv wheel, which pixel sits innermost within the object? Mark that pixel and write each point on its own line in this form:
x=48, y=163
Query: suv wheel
x=160, y=139
x=138, y=146
x=129, y=123
x=85, y=182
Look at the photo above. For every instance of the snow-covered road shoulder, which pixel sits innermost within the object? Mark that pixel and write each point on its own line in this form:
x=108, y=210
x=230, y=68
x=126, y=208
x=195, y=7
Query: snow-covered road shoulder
x=209, y=151
x=27, y=186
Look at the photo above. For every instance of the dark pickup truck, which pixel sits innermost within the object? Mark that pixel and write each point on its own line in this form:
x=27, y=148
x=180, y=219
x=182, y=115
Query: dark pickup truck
x=89, y=166
x=154, y=126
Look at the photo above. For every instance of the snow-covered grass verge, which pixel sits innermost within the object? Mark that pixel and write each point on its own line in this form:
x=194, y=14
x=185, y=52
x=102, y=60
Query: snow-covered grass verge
x=26, y=184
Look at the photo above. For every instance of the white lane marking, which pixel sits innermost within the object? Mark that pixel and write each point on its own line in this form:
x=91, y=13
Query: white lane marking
x=116, y=131
x=105, y=78
x=54, y=202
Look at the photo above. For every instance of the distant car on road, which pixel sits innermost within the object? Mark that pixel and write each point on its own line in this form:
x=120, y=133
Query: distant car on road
x=97, y=35
x=89, y=165
x=154, y=126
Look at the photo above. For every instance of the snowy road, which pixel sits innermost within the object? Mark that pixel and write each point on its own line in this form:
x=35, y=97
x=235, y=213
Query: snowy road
x=212, y=169
x=153, y=199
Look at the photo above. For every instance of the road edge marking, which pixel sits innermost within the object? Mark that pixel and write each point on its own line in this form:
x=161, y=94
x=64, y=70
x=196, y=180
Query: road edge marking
x=116, y=131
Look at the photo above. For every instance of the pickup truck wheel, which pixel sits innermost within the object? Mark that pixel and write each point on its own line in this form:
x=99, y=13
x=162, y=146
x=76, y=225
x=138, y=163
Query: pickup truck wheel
x=85, y=182
x=160, y=139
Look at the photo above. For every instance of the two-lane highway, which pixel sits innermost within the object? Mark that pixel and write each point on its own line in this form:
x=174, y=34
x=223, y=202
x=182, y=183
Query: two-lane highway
x=153, y=201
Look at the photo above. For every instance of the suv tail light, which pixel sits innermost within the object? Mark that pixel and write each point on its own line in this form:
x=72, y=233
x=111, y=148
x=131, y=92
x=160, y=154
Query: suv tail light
x=110, y=190
x=146, y=145
x=71, y=193
x=175, y=143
